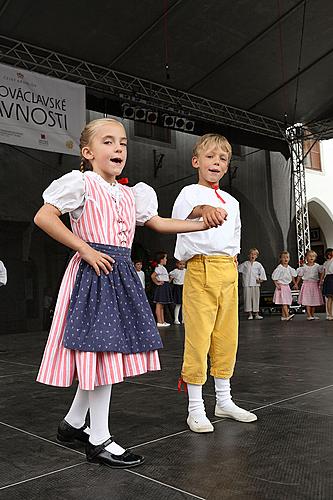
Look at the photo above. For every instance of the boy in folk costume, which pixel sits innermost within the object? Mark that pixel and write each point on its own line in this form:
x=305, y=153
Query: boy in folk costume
x=253, y=274
x=210, y=299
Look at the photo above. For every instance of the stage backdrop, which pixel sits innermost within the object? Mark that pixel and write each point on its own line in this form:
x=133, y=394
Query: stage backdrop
x=40, y=112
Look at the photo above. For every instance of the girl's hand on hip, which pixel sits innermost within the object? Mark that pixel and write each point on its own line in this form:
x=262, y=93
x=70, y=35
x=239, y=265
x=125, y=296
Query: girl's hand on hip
x=98, y=260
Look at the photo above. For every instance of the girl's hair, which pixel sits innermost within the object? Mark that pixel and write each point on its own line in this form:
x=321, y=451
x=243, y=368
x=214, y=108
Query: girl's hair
x=209, y=140
x=254, y=250
x=160, y=255
x=285, y=252
x=310, y=252
x=328, y=252
x=87, y=135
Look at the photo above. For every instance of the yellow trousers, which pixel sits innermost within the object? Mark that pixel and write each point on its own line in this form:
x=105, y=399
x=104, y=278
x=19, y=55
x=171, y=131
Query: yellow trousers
x=210, y=308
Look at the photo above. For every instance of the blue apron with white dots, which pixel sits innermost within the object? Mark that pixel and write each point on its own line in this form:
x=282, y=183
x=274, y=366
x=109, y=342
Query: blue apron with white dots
x=110, y=312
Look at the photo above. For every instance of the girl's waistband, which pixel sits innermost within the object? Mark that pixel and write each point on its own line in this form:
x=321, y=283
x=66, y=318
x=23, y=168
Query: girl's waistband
x=112, y=250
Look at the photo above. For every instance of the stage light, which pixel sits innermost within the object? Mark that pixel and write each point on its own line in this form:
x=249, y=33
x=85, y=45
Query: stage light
x=151, y=117
x=189, y=126
x=140, y=114
x=128, y=111
x=180, y=123
x=169, y=121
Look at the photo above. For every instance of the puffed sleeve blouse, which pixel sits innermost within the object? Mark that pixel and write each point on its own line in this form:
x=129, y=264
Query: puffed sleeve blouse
x=67, y=194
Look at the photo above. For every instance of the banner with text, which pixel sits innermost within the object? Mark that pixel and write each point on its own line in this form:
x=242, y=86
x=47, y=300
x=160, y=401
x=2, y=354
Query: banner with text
x=40, y=112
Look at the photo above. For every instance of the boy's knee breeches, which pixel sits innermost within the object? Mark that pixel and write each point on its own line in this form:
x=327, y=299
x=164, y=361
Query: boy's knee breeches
x=210, y=308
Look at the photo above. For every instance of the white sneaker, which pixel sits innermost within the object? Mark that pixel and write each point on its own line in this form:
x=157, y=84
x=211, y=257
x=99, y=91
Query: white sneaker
x=284, y=319
x=329, y=318
x=257, y=316
x=310, y=318
x=316, y=317
x=166, y=324
x=199, y=423
x=290, y=316
x=236, y=414
x=176, y=322
x=162, y=325
x=250, y=316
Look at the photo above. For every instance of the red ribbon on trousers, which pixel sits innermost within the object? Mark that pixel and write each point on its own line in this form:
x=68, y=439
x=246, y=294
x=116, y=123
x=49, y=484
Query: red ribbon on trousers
x=180, y=384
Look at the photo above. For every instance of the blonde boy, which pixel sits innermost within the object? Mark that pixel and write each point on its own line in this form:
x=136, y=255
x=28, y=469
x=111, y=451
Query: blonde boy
x=253, y=274
x=210, y=298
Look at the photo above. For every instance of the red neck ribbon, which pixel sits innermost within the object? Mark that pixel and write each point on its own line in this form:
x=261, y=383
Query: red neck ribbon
x=216, y=187
x=123, y=180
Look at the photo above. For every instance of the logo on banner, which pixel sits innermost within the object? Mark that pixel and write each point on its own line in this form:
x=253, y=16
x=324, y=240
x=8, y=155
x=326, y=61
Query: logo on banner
x=43, y=139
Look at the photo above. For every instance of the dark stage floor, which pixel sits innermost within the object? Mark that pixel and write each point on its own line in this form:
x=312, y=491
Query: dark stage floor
x=284, y=373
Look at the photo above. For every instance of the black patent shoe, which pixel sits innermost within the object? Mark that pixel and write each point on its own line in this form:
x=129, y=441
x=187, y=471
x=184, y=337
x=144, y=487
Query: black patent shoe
x=69, y=434
x=98, y=454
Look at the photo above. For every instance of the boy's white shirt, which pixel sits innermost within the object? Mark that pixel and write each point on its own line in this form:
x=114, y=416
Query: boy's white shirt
x=252, y=272
x=3, y=274
x=223, y=240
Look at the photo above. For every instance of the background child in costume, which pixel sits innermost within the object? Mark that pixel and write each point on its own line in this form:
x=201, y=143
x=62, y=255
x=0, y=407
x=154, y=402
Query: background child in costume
x=310, y=295
x=327, y=282
x=162, y=292
x=141, y=274
x=253, y=274
x=177, y=277
x=210, y=298
x=326, y=266
x=282, y=276
x=103, y=329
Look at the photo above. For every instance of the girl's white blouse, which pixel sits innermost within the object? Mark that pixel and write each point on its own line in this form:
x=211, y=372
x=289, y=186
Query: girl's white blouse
x=67, y=194
x=284, y=275
x=310, y=273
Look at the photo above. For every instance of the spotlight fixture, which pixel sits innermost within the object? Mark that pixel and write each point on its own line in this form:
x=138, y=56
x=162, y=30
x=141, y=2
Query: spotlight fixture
x=128, y=111
x=169, y=121
x=189, y=125
x=151, y=116
x=180, y=123
x=140, y=114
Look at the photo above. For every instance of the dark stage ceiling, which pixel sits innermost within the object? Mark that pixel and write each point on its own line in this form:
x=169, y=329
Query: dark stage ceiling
x=270, y=57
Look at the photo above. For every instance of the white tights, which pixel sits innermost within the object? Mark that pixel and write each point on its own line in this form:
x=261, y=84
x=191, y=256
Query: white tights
x=98, y=402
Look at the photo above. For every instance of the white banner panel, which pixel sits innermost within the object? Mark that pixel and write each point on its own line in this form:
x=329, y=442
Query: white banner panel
x=40, y=112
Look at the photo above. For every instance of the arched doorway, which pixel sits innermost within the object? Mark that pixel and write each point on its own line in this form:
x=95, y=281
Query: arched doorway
x=321, y=227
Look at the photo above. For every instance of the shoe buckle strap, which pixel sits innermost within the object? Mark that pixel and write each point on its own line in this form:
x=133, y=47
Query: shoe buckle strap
x=101, y=447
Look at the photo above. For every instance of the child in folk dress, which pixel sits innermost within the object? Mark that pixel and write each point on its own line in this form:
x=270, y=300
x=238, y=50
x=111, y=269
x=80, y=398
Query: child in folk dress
x=253, y=274
x=162, y=293
x=141, y=274
x=177, y=277
x=282, y=276
x=103, y=329
x=310, y=295
x=327, y=282
x=325, y=278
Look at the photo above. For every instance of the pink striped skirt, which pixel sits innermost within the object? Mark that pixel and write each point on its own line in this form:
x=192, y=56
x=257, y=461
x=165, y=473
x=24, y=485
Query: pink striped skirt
x=310, y=294
x=283, y=296
x=60, y=366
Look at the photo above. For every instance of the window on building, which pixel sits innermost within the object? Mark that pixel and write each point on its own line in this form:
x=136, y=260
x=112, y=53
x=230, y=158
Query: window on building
x=312, y=154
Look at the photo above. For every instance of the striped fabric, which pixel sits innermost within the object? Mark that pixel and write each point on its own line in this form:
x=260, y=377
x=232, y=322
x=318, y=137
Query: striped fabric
x=108, y=221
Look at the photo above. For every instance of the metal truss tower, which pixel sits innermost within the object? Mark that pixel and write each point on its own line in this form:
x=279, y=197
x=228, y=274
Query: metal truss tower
x=295, y=136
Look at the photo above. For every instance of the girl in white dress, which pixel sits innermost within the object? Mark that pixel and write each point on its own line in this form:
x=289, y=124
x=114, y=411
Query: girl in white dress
x=282, y=276
x=310, y=295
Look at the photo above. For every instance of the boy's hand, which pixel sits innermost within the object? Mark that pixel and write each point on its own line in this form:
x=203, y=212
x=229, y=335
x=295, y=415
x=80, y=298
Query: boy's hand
x=213, y=216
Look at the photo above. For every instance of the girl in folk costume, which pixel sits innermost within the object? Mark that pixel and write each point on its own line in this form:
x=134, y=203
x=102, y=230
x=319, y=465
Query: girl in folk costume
x=325, y=278
x=103, y=329
x=282, y=276
x=162, y=293
x=177, y=277
x=310, y=295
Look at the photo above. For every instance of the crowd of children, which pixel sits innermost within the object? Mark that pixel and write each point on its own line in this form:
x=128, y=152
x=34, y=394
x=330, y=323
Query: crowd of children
x=317, y=282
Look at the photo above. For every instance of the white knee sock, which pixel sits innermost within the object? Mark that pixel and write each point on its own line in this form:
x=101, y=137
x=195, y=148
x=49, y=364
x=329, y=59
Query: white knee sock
x=196, y=405
x=77, y=413
x=99, y=404
x=177, y=309
x=223, y=393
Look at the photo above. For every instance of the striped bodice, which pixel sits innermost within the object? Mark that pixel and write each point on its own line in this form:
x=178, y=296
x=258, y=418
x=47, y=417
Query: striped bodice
x=106, y=218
